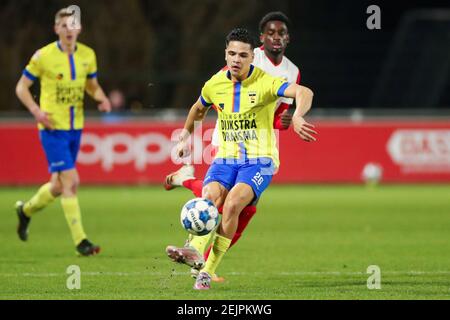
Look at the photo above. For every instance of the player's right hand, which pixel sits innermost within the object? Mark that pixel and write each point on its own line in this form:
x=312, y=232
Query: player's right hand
x=44, y=119
x=304, y=129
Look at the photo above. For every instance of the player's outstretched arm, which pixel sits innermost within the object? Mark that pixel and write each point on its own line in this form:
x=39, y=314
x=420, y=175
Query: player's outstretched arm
x=303, y=99
x=24, y=95
x=197, y=113
x=94, y=89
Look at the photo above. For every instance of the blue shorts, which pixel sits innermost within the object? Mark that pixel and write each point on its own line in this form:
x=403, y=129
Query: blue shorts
x=257, y=173
x=61, y=148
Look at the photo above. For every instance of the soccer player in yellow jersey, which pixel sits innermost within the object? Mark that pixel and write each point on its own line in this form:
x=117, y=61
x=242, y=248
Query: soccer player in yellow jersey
x=245, y=98
x=65, y=69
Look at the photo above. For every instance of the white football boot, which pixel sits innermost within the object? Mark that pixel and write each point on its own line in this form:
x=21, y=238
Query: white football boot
x=186, y=255
x=176, y=179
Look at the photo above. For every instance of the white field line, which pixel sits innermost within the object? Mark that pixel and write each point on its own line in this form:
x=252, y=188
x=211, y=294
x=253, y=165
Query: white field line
x=295, y=273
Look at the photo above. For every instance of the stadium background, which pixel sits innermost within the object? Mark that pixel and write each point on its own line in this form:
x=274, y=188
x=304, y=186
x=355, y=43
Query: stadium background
x=381, y=96
x=381, y=89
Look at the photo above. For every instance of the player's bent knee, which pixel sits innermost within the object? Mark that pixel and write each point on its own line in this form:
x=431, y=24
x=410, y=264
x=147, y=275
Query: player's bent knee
x=70, y=182
x=56, y=189
x=233, y=205
x=214, y=193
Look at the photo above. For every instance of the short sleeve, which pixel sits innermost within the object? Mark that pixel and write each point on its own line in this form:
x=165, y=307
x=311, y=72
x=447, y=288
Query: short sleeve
x=92, y=70
x=205, y=96
x=33, y=70
x=277, y=86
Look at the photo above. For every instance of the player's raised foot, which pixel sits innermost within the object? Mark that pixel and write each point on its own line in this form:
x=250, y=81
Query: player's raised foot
x=203, y=281
x=186, y=255
x=176, y=179
x=87, y=248
x=24, y=221
x=214, y=277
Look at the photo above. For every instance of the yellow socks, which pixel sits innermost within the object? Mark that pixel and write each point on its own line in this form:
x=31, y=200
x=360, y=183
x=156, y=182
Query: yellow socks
x=72, y=212
x=39, y=201
x=200, y=242
x=70, y=207
x=220, y=247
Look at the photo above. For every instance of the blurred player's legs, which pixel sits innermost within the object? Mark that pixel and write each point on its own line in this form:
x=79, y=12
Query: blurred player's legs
x=40, y=200
x=25, y=210
x=61, y=150
x=62, y=184
x=69, y=202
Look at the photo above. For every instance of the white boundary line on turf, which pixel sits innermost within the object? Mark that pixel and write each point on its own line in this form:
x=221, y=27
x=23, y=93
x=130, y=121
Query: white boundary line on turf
x=295, y=273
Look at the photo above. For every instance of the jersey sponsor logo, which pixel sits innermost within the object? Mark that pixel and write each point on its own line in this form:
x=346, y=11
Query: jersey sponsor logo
x=239, y=127
x=235, y=125
x=239, y=136
x=69, y=94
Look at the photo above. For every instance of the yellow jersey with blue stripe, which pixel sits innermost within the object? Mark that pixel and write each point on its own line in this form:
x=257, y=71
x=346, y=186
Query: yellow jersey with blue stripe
x=62, y=78
x=245, y=113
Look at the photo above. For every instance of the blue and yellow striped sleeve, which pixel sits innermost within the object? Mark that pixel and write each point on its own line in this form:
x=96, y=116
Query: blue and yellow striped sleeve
x=33, y=70
x=281, y=88
x=92, y=70
x=278, y=86
x=205, y=96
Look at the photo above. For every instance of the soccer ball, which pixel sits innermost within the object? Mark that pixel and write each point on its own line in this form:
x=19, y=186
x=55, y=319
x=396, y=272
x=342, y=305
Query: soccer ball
x=199, y=216
x=372, y=173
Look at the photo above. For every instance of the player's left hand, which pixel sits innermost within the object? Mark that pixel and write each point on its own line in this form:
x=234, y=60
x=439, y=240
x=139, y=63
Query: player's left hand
x=286, y=119
x=105, y=106
x=304, y=129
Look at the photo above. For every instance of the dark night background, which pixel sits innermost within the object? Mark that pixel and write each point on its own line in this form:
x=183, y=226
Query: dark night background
x=159, y=53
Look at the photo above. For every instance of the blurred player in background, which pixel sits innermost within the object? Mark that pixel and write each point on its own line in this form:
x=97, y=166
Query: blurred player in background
x=274, y=36
x=245, y=98
x=65, y=69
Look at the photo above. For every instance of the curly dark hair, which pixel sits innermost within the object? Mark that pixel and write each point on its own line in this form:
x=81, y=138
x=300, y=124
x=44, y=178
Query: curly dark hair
x=274, y=16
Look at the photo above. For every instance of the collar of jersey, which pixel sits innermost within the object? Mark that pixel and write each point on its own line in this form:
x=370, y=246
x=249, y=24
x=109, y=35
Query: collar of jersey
x=250, y=72
x=273, y=62
x=61, y=49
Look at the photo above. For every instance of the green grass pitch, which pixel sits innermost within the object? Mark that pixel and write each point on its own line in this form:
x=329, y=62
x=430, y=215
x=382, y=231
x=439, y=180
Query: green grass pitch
x=305, y=242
